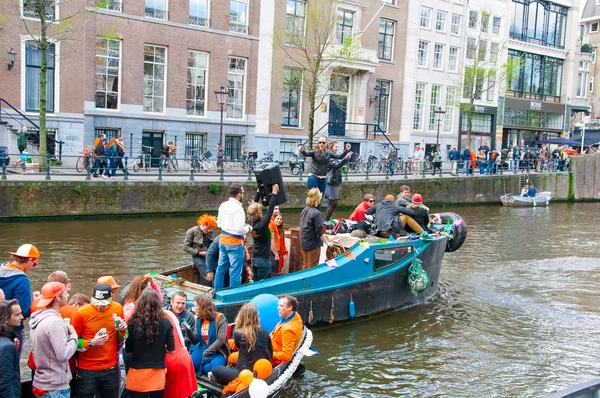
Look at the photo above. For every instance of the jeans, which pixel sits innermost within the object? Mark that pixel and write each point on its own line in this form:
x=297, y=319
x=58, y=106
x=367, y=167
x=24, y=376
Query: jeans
x=100, y=163
x=261, y=268
x=466, y=167
x=231, y=257
x=517, y=164
x=200, y=368
x=99, y=383
x=490, y=167
x=57, y=394
x=316, y=182
x=482, y=166
x=118, y=165
x=453, y=164
x=200, y=264
x=391, y=167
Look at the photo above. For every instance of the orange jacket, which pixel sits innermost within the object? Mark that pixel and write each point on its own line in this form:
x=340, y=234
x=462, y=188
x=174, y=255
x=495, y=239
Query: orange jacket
x=286, y=338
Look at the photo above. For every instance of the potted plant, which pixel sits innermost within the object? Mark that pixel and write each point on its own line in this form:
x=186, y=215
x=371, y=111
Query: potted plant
x=586, y=48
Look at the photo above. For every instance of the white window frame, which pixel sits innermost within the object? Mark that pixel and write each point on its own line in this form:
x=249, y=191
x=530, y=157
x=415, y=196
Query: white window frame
x=197, y=4
x=299, y=126
x=490, y=93
x=594, y=54
x=494, y=17
x=164, y=110
x=449, y=108
x=455, y=63
x=438, y=56
x=247, y=26
x=591, y=84
x=441, y=22
x=393, y=39
x=430, y=11
x=166, y=10
x=206, y=80
x=457, y=33
x=120, y=77
x=426, y=54
x=596, y=24
x=244, y=89
x=497, y=53
x=56, y=12
x=419, y=106
x=57, y=44
x=434, y=104
x=476, y=19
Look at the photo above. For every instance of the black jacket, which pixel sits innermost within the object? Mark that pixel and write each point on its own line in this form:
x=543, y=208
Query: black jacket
x=334, y=172
x=261, y=234
x=10, y=375
x=385, y=212
x=421, y=217
x=320, y=164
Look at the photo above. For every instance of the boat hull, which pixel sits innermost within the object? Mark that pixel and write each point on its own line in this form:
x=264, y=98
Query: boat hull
x=541, y=199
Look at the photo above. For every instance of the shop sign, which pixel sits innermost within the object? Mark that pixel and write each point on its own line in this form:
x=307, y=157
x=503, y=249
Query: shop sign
x=479, y=109
x=535, y=106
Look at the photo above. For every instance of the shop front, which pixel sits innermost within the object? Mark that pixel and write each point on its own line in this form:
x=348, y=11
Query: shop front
x=483, y=127
x=526, y=122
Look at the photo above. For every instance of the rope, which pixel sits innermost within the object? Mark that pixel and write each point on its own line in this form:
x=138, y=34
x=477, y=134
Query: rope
x=418, y=280
x=289, y=372
x=331, y=317
x=310, y=315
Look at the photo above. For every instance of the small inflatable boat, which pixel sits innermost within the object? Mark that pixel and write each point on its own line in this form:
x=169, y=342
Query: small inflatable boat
x=540, y=199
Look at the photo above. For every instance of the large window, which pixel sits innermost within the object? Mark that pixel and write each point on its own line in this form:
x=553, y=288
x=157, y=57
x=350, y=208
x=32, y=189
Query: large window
x=471, y=47
x=233, y=147
x=344, y=25
x=482, y=50
x=194, y=143
x=108, y=55
x=419, y=103
x=31, y=9
x=425, y=17
x=199, y=13
x=113, y=5
x=480, y=123
x=294, y=23
x=157, y=9
x=449, y=116
x=286, y=150
x=196, y=83
x=436, y=91
x=438, y=56
x=455, y=28
x=155, y=65
x=236, y=83
x=491, y=88
x=538, y=76
x=440, y=21
x=494, y=49
x=539, y=22
x=496, y=25
x=583, y=77
x=33, y=65
x=386, y=39
x=423, y=53
x=290, y=102
x=531, y=118
x=382, y=103
x=453, y=59
x=238, y=16
x=473, y=17
x=485, y=22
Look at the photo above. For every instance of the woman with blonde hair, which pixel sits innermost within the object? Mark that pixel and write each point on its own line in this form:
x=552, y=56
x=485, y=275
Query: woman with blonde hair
x=311, y=230
x=262, y=247
x=253, y=341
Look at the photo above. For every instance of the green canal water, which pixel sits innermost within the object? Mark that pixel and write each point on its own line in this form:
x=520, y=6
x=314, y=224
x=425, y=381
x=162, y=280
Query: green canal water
x=517, y=314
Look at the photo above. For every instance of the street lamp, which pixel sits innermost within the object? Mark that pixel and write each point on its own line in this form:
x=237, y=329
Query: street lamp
x=439, y=115
x=221, y=95
x=12, y=56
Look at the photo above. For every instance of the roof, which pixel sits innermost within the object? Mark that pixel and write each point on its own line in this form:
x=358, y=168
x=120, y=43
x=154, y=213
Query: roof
x=590, y=10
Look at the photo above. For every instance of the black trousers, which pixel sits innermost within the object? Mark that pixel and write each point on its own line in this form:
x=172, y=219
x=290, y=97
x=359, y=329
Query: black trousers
x=224, y=375
x=99, y=383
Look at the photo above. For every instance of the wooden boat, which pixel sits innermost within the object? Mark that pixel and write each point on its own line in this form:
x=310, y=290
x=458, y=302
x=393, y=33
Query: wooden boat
x=540, y=199
x=589, y=389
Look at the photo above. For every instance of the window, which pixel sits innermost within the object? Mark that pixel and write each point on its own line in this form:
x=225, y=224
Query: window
x=290, y=103
x=383, y=90
x=594, y=27
x=425, y=17
x=194, y=143
x=591, y=84
x=438, y=56
x=233, y=147
x=433, y=104
x=496, y=25
x=391, y=2
x=539, y=22
x=468, y=83
x=480, y=123
x=294, y=23
x=473, y=16
x=345, y=22
x=530, y=118
x=455, y=28
x=197, y=67
x=113, y=5
x=471, y=47
x=31, y=9
x=155, y=65
x=582, y=78
x=238, y=16
x=538, y=77
x=449, y=116
x=440, y=21
x=419, y=102
x=199, y=13
x=33, y=65
x=108, y=56
x=50, y=140
x=482, y=50
x=491, y=87
x=286, y=150
x=594, y=55
x=236, y=83
x=422, y=54
x=386, y=39
x=157, y=9
x=109, y=132
x=485, y=22
x=453, y=59
x=494, y=48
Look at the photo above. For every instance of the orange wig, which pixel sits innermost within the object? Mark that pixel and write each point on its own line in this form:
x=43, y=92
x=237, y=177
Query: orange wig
x=208, y=220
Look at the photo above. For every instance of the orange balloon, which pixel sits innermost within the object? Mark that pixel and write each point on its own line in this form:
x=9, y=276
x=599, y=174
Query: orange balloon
x=233, y=358
x=240, y=387
x=246, y=377
x=263, y=368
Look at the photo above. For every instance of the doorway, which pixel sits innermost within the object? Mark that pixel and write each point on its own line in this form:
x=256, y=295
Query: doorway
x=355, y=148
x=338, y=103
x=155, y=140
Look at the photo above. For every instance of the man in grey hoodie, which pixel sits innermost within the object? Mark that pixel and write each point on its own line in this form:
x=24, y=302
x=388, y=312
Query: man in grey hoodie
x=53, y=343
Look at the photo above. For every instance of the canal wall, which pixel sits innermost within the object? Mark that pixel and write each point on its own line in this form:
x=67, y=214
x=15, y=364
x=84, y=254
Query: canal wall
x=86, y=198
x=586, y=180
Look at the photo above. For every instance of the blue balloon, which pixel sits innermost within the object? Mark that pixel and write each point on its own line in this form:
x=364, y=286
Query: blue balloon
x=267, y=310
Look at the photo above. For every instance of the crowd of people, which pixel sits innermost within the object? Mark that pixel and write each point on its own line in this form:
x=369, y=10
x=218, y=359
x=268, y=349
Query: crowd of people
x=79, y=342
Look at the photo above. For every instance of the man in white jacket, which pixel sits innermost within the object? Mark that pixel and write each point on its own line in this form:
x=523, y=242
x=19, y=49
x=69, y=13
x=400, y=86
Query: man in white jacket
x=53, y=343
x=232, y=221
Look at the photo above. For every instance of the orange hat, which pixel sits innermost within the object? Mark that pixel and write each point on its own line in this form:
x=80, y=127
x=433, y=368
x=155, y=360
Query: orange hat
x=208, y=220
x=26, y=251
x=49, y=292
x=390, y=197
x=109, y=280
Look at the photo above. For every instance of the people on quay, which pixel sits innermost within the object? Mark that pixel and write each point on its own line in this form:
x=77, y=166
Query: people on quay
x=99, y=158
x=197, y=241
x=481, y=161
x=437, y=162
x=79, y=300
x=10, y=376
x=387, y=218
x=418, y=156
x=453, y=156
x=485, y=148
x=334, y=178
x=420, y=215
x=466, y=155
x=120, y=154
x=22, y=139
x=392, y=158
x=287, y=335
x=263, y=247
x=359, y=212
x=102, y=332
x=109, y=280
x=252, y=341
x=16, y=285
x=317, y=178
x=493, y=162
x=280, y=245
x=150, y=340
x=53, y=343
x=210, y=336
x=404, y=198
x=311, y=230
x=181, y=378
x=183, y=315
x=232, y=221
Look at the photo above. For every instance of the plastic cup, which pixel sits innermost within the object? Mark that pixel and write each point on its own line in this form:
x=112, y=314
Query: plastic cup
x=102, y=331
x=67, y=322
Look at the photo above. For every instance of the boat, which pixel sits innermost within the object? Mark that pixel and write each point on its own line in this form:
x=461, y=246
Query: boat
x=589, y=389
x=540, y=199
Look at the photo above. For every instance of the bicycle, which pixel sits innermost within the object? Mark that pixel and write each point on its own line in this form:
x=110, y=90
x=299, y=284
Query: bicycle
x=169, y=163
x=200, y=162
x=85, y=161
x=143, y=160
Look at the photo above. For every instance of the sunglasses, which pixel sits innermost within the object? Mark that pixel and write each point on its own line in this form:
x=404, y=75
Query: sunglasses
x=371, y=201
x=322, y=143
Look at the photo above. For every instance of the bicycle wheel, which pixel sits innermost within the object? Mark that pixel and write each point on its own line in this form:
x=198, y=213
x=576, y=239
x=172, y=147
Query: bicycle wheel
x=80, y=165
x=136, y=164
x=175, y=165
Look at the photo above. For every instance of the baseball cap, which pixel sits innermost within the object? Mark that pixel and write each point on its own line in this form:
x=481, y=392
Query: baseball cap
x=109, y=280
x=50, y=291
x=102, y=294
x=417, y=198
x=27, y=250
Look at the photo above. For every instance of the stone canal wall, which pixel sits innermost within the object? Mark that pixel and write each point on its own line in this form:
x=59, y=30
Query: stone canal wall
x=586, y=181
x=76, y=198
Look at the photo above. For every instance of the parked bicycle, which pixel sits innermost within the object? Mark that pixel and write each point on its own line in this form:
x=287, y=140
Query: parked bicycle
x=143, y=160
x=201, y=162
x=169, y=163
x=86, y=160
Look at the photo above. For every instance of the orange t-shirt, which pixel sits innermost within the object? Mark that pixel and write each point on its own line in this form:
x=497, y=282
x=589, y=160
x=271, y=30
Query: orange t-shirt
x=204, y=330
x=87, y=324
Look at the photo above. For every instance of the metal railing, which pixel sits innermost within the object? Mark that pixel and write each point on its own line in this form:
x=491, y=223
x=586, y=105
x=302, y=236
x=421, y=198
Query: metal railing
x=199, y=21
x=156, y=13
x=16, y=110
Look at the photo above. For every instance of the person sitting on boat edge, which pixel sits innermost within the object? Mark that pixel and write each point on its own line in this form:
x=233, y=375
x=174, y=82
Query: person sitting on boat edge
x=420, y=217
x=386, y=215
x=197, y=241
x=359, y=212
x=524, y=190
x=262, y=246
x=531, y=191
x=209, y=336
x=287, y=335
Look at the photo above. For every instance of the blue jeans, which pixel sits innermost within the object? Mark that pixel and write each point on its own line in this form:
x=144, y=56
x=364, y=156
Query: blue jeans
x=231, y=258
x=315, y=182
x=482, y=166
x=465, y=169
x=391, y=167
x=261, y=268
x=198, y=359
x=57, y=394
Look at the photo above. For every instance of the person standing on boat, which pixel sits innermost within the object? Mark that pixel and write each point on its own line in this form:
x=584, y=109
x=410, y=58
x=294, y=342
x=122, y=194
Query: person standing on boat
x=386, y=215
x=197, y=241
x=317, y=178
x=232, y=221
x=359, y=212
x=263, y=247
x=287, y=335
x=334, y=179
x=311, y=230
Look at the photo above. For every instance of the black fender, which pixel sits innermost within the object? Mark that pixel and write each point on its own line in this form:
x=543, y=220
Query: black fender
x=458, y=231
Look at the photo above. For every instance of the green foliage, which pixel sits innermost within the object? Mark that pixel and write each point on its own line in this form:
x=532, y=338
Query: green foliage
x=214, y=188
x=77, y=190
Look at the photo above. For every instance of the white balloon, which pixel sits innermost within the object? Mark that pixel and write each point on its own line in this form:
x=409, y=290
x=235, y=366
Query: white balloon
x=258, y=389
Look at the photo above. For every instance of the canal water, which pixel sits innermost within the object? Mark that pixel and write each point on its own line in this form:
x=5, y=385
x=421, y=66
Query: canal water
x=517, y=315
